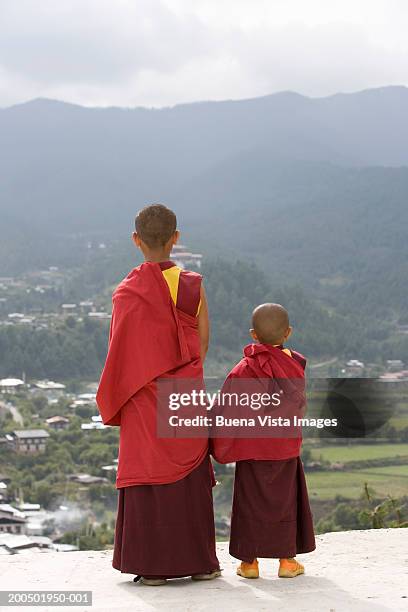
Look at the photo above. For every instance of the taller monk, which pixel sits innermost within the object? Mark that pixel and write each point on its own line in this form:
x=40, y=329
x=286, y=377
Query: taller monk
x=159, y=328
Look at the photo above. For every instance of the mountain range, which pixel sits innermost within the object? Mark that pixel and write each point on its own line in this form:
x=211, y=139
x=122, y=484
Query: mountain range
x=314, y=190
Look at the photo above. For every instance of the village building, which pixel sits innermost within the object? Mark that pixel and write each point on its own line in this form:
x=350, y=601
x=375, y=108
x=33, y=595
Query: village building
x=90, y=426
x=13, y=543
x=100, y=315
x=57, y=422
x=109, y=468
x=96, y=423
x=89, y=397
x=37, y=519
x=84, y=399
x=354, y=367
x=27, y=507
x=88, y=479
x=12, y=520
x=184, y=258
x=3, y=491
x=11, y=385
x=394, y=365
x=68, y=307
x=394, y=377
x=64, y=547
x=28, y=441
x=50, y=389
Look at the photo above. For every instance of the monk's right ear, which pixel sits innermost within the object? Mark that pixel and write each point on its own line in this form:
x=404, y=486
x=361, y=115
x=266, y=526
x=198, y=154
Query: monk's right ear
x=253, y=334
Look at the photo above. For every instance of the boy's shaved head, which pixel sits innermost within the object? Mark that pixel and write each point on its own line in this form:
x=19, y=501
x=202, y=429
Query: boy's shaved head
x=270, y=323
x=155, y=225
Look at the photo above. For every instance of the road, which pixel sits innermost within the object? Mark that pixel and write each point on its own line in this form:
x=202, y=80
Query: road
x=14, y=411
x=324, y=363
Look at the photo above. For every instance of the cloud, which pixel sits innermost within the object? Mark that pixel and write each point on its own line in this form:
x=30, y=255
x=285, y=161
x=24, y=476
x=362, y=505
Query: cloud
x=161, y=52
x=94, y=40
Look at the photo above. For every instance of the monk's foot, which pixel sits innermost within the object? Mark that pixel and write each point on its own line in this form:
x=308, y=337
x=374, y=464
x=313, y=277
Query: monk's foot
x=208, y=576
x=248, y=570
x=152, y=581
x=290, y=568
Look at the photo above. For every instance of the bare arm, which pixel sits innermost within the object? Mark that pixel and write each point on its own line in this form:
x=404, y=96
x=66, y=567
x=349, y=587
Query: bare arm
x=203, y=325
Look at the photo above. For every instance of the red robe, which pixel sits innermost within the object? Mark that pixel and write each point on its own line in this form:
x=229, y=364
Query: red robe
x=261, y=361
x=149, y=338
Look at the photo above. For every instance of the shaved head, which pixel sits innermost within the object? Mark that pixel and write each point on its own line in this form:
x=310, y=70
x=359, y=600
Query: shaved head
x=270, y=323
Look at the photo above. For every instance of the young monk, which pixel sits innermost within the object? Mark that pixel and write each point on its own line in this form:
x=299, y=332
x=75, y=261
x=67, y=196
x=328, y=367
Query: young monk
x=159, y=328
x=271, y=516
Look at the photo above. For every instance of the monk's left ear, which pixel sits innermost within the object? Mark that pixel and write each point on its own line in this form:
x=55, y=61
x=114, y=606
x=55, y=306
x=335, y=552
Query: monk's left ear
x=136, y=239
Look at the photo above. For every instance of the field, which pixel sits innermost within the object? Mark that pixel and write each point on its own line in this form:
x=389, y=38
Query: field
x=386, y=480
x=349, y=483
x=325, y=486
x=360, y=452
x=399, y=422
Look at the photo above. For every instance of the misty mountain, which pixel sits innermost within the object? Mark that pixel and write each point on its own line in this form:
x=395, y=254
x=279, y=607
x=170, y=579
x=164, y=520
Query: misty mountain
x=340, y=232
x=88, y=167
x=315, y=190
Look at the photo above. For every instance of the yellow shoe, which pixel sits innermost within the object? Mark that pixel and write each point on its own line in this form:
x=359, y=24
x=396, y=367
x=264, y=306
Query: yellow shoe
x=290, y=568
x=248, y=570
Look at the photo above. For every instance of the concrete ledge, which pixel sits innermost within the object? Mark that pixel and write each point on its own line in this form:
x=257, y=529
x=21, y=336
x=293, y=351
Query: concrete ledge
x=350, y=571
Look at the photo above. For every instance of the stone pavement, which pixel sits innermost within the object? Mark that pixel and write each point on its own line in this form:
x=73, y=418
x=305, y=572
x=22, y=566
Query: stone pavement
x=362, y=571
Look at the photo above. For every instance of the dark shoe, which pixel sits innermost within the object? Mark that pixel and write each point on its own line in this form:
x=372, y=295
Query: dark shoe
x=208, y=576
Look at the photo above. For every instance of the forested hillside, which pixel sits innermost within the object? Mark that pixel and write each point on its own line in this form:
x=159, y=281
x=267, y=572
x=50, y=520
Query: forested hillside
x=72, y=349
x=312, y=191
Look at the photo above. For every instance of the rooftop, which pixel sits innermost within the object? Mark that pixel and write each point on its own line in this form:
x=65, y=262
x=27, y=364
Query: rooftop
x=87, y=478
x=9, y=509
x=14, y=541
x=11, y=382
x=357, y=571
x=49, y=384
x=31, y=433
x=57, y=419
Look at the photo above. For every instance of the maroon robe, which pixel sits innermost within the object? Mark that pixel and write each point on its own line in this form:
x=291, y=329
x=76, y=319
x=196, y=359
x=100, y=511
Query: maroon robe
x=165, y=519
x=271, y=514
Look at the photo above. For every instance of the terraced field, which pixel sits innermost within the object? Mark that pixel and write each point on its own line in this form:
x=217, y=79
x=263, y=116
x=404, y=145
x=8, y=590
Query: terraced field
x=387, y=480
x=360, y=452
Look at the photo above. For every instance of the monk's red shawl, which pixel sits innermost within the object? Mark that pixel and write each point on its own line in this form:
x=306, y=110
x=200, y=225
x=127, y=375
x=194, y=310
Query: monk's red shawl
x=149, y=338
x=261, y=361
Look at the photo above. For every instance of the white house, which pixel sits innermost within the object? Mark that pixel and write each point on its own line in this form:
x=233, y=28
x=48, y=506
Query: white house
x=11, y=385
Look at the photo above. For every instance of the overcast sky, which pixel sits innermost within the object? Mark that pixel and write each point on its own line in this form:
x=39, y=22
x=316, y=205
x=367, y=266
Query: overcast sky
x=163, y=52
